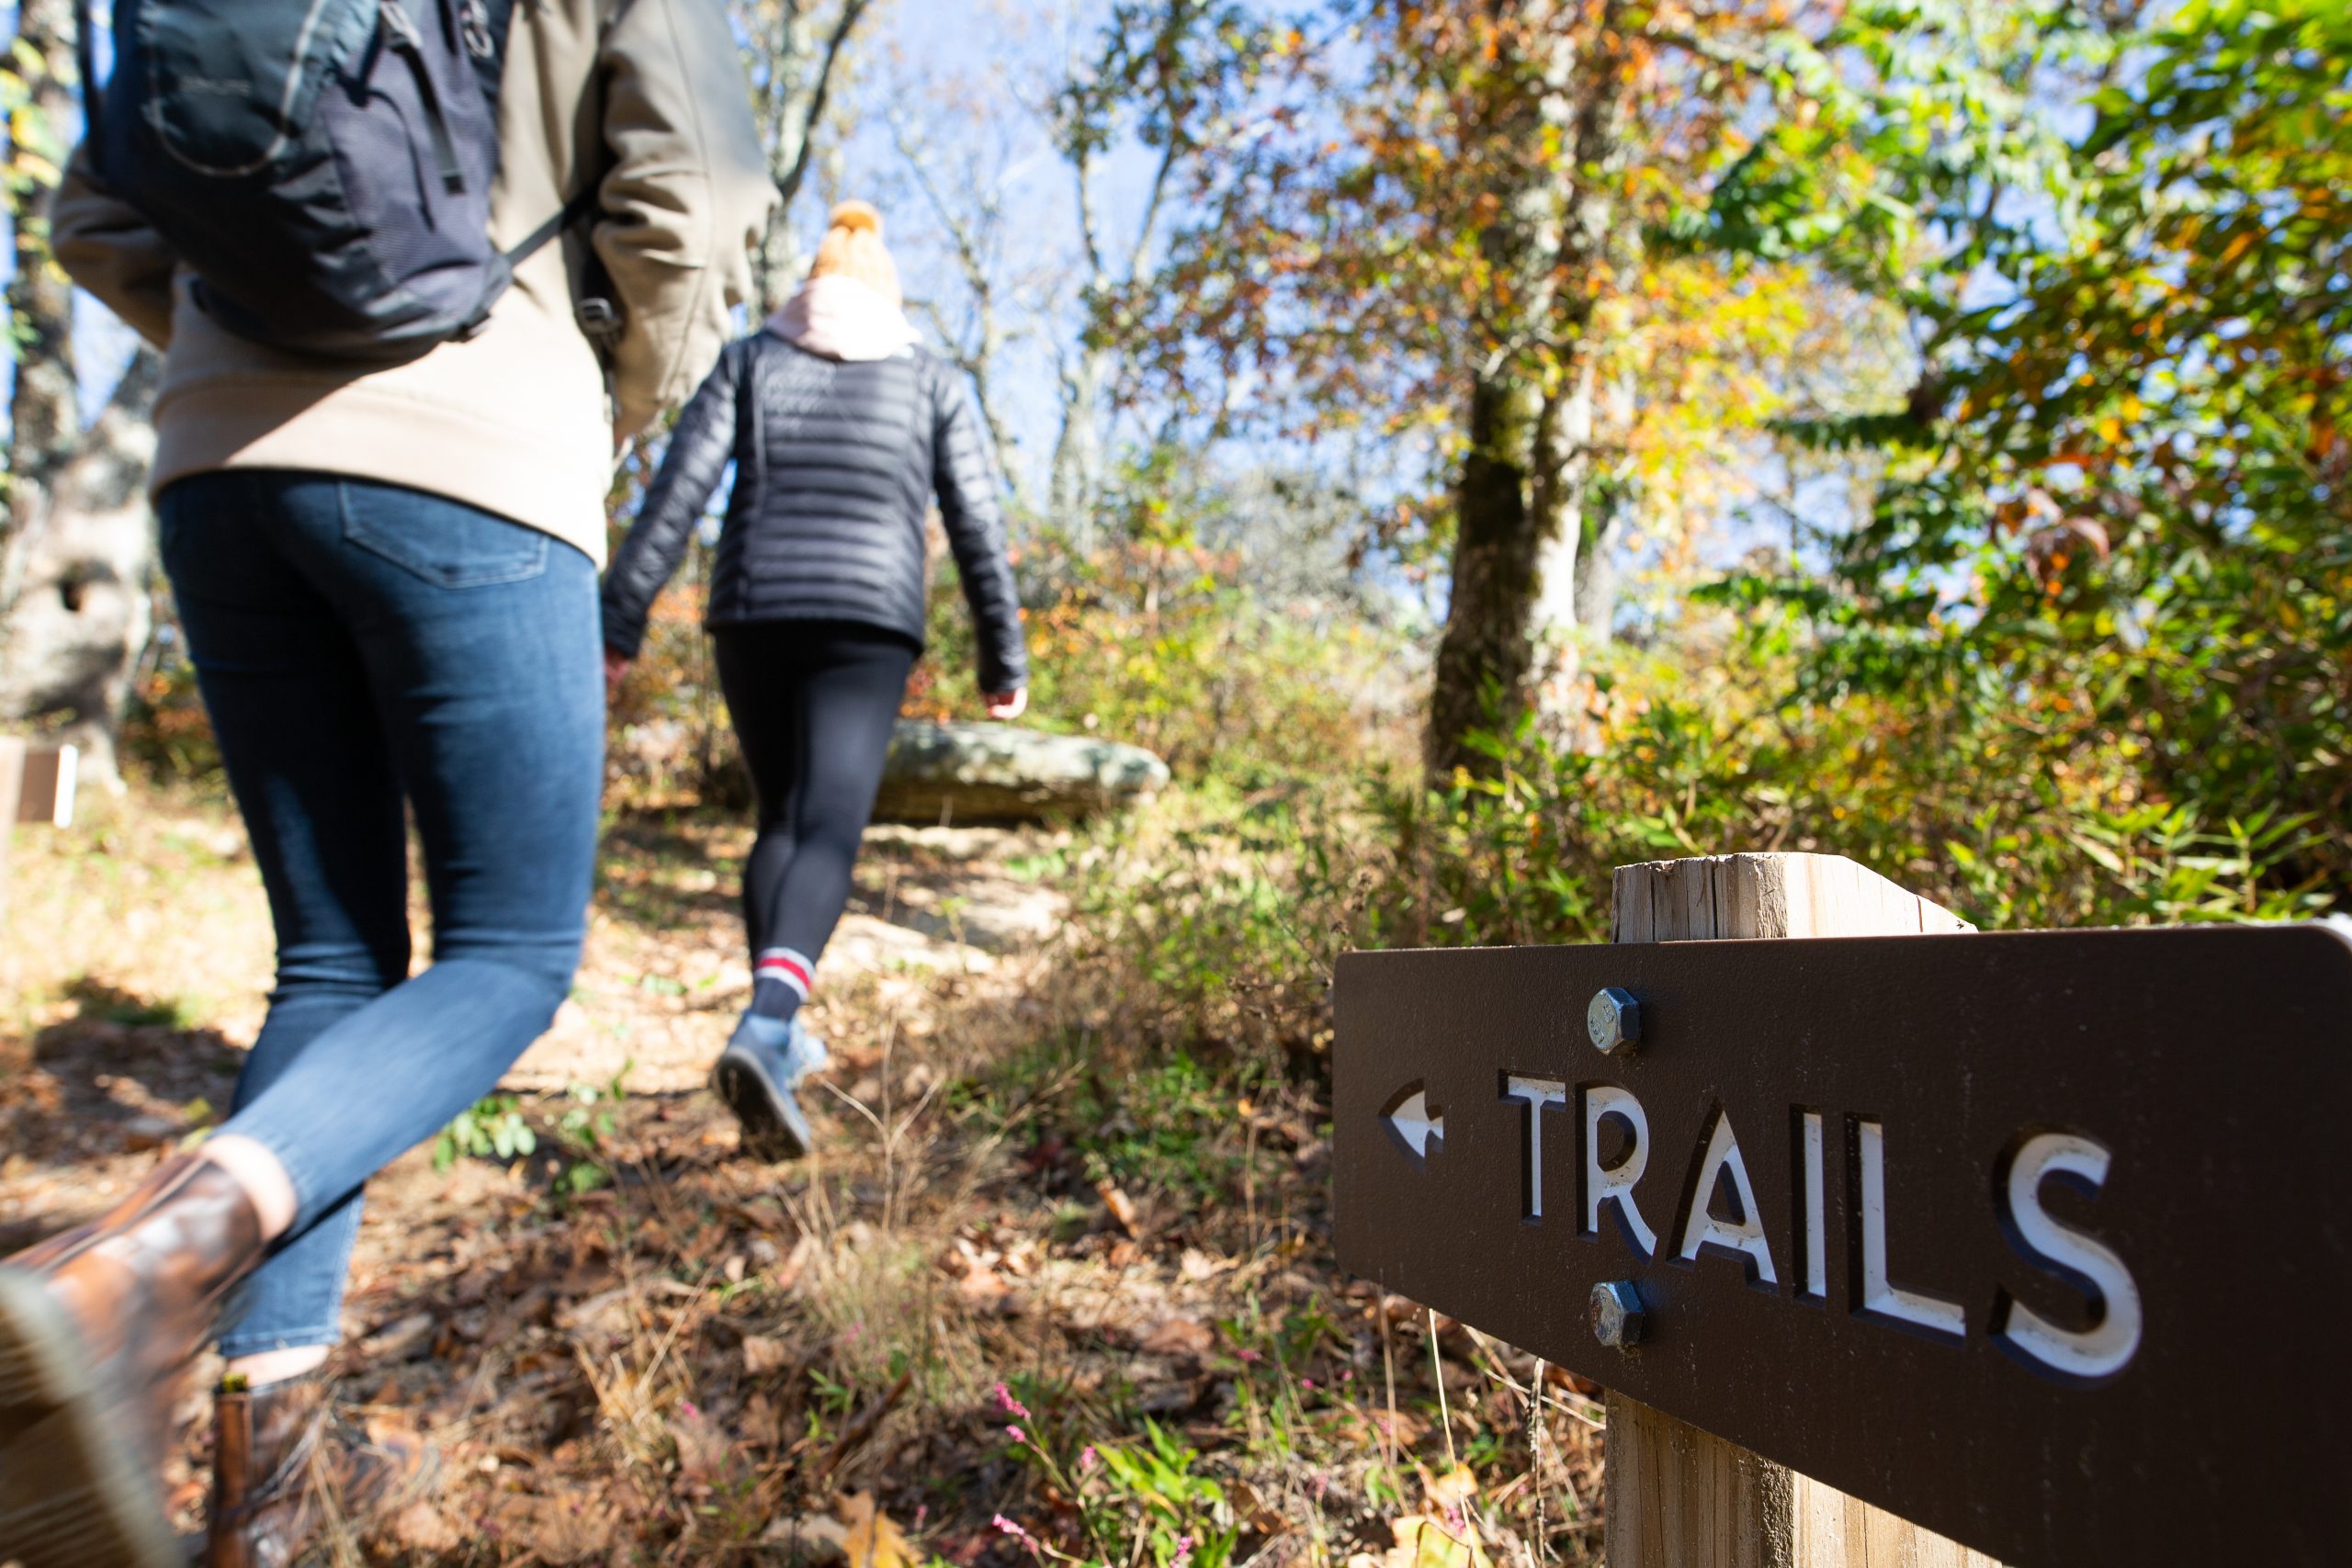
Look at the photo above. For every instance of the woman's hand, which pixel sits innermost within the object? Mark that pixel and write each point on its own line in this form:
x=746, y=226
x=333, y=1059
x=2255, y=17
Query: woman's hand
x=1008, y=705
x=616, y=666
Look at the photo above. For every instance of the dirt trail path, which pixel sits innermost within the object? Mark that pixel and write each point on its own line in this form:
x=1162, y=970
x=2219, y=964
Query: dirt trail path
x=136, y=969
x=637, y=1345
x=666, y=972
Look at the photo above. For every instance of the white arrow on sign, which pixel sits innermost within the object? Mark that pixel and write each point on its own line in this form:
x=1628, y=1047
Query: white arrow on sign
x=1410, y=1116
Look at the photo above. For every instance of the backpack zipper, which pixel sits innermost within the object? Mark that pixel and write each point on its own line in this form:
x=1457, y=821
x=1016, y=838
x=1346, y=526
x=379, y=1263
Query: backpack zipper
x=401, y=33
x=473, y=23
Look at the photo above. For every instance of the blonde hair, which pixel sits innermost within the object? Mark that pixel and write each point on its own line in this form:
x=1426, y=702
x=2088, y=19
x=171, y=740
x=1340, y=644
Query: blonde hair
x=853, y=248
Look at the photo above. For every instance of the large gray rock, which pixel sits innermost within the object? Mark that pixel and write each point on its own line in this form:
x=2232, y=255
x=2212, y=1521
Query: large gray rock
x=1002, y=773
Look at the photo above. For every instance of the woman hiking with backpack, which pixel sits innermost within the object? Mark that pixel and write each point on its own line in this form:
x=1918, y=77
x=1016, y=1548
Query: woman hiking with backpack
x=842, y=431
x=384, y=440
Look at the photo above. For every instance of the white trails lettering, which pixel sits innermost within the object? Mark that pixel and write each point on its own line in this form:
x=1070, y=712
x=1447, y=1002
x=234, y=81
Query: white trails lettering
x=1604, y=1186
x=1719, y=1169
x=1535, y=1094
x=1720, y=1161
x=2108, y=1347
x=1813, y=1229
x=1880, y=1297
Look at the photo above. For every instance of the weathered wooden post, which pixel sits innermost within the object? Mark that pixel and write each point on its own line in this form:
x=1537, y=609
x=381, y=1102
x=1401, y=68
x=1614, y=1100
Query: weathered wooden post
x=1680, y=1497
x=36, y=785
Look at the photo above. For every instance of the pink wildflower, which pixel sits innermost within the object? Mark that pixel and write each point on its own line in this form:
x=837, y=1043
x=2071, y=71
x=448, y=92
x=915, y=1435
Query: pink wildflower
x=1183, y=1552
x=1251, y=1356
x=1011, y=1405
x=1008, y=1527
x=1085, y=1459
x=1017, y=1434
x=688, y=1406
x=1306, y=1383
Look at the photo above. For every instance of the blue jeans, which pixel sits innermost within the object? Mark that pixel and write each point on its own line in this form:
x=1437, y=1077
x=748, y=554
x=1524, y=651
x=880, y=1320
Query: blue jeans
x=361, y=646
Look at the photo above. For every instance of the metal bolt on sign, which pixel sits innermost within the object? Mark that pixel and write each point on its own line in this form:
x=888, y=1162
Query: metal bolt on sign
x=1617, y=1314
x=1614, y=1020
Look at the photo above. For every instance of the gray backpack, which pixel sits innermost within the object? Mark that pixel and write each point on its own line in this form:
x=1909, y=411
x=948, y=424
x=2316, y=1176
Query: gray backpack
x=323, y=167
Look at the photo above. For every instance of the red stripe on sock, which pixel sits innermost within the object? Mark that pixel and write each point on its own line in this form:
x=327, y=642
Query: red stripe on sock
x=787, y=967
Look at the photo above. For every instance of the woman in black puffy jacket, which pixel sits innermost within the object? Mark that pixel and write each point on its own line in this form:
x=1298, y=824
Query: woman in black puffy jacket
x=842, y=432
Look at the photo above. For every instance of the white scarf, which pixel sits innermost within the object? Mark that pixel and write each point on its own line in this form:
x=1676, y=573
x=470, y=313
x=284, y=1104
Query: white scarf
x=841, y=318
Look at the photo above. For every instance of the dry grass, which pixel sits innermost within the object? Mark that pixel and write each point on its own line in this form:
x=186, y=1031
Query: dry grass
x=689, y=1362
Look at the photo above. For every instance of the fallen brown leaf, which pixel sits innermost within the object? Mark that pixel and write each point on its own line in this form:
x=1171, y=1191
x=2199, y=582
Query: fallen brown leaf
x=424, y=1527
x=1121, y=1207
x=873, y=1540
x=811, y=1537
x=572, y=1524
x=703, y=1448
x=1254, y=1510
x=763, y=1423
x=1423, y=1542
x=1452, y=1490
x=1176, y=1337
x=412, y=1336
x=984, y=1288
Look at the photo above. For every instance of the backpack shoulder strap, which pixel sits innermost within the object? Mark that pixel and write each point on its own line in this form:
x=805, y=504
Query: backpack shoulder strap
x=497, y=18
x=598, y=317
x=572, y=212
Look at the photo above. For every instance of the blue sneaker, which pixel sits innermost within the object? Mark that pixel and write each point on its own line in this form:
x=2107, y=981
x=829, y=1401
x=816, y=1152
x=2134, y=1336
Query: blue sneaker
x=765, y=1061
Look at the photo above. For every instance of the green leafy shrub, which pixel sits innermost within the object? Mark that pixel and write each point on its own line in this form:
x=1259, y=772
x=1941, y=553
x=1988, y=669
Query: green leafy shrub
x=1221, y=914
x=493, y=1125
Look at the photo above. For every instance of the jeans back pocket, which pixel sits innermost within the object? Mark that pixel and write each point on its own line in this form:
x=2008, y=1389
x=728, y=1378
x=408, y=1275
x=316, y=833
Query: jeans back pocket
x=445, y=542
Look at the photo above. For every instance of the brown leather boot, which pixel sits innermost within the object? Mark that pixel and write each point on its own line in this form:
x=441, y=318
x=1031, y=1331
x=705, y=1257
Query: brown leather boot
x=284, y=1468
x=96, y=1328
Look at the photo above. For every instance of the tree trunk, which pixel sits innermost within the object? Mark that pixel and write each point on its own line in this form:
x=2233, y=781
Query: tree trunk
x=1513, y=493
x=793, y=61
x=783, y=54
x=44, y=411
x=1567, y=547
x=84, y=612
x=1521, y=493
x=1075, y=479
x=75, y=556
x=1596, y=589
x=1611, y=497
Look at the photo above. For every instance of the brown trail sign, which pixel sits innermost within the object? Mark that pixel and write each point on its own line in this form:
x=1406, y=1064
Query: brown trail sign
x=2042, y=1241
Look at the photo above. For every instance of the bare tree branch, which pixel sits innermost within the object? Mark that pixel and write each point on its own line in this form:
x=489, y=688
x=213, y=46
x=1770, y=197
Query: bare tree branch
x=971, y=239
x=787, y=184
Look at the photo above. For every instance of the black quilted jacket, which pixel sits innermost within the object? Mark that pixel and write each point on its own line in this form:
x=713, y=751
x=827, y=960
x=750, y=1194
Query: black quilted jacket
x=835, y=467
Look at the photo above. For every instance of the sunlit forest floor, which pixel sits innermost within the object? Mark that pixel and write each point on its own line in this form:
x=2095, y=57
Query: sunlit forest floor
x=1040, y=1294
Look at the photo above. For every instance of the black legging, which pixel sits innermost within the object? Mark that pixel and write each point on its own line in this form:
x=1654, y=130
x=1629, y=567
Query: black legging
x=813, y=702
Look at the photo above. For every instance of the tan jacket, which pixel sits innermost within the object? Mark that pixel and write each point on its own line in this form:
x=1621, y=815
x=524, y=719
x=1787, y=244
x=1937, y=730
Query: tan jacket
x=646, y=97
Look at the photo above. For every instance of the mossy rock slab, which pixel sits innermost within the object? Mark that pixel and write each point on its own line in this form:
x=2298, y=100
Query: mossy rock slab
x=994, y=773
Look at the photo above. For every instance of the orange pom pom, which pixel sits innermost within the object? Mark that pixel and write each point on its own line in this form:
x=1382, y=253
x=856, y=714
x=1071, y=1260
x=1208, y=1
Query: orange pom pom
x=853, y=215
x=853, y=248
